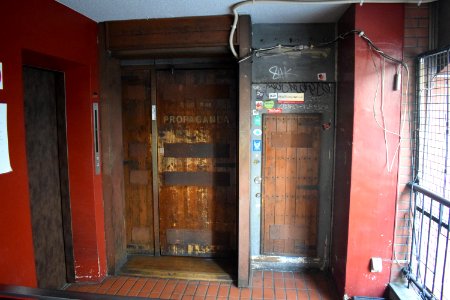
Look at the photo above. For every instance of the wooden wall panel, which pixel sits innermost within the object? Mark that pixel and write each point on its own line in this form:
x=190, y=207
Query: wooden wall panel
x=245, y=79
x=137, y=139
x=169, y=36
x=112, y=155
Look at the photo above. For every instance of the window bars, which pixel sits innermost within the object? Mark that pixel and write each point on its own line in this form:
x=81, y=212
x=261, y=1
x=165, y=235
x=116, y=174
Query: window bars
x=429, y=266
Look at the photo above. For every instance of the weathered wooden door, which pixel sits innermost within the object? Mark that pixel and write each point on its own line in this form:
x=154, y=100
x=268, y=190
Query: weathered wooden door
x=291, y=153
x=137, y=142
x=197, y=162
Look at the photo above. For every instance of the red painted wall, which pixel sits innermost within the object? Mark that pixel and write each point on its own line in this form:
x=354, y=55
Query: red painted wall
x=372, y=190
x=46, y=34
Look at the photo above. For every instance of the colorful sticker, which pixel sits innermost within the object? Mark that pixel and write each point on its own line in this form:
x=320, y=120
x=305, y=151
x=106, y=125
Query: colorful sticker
x=275, y=111
x=322, y=76
x=257, y=120
x=259, y=105
x=257, y=145
x=273, y=95
x=255, y=112
x=257, y=132
x=259, y=95
x=291, y=98
x=269, y=104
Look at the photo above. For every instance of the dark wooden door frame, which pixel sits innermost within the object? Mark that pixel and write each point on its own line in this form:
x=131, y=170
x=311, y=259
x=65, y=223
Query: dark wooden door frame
x=187, y=49
x=244, y=98
x=155, y=164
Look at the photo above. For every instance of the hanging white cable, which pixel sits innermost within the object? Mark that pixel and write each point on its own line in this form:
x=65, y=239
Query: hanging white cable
x=374, y=100
x=380, y=78
x=236, y=6
x=386, y=143
x=390, y=163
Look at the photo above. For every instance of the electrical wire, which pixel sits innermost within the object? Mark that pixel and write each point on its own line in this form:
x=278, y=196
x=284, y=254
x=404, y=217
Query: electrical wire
x=386, y=143
x=373, y=48
x=238, y=5
x=403, y=121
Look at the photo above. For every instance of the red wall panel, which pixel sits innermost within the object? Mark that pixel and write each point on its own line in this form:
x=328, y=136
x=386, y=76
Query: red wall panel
x=372, y=189
x=46, y=34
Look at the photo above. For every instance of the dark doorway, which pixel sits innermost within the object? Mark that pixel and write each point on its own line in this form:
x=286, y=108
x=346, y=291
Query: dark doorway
x=46, y=147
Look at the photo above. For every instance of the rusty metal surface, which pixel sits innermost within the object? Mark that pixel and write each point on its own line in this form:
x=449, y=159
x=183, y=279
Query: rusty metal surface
x=197, y=178
x=199, y=150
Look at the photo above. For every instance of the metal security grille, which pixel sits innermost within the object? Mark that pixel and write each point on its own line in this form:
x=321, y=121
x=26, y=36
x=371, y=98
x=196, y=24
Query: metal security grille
x=429, y=267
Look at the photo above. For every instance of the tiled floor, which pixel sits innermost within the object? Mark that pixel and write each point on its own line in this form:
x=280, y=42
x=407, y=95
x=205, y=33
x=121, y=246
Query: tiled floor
x=264, y=285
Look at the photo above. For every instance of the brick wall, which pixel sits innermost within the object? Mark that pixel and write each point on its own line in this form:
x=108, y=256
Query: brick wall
x=416, y=41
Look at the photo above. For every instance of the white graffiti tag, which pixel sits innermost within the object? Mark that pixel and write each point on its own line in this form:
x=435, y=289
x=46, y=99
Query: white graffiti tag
x=281, y=72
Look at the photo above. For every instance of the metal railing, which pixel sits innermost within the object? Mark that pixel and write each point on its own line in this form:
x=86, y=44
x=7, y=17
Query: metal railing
x=429, y=268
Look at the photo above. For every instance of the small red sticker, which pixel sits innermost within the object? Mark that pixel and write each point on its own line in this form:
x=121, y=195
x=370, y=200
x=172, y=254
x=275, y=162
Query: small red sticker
x=275, y=111
x=259, y=105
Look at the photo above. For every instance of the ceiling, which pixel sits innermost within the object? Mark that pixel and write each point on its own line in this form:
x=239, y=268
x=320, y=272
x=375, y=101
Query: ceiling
x=109, y=10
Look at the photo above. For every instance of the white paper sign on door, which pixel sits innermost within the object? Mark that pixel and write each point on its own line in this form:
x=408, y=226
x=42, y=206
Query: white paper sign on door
x=5, y=165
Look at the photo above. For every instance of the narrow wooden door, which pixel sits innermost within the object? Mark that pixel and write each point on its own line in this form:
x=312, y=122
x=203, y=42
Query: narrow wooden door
x=137, y=141
x=291, y=152
x=197, y=162
x=48, y=180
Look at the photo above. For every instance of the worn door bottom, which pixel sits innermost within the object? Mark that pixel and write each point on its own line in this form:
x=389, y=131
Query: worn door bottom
x=188, y=268
x=285, y=263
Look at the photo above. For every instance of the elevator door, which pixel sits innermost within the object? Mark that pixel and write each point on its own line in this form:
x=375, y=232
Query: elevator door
x=197, y=162
x=291, y=152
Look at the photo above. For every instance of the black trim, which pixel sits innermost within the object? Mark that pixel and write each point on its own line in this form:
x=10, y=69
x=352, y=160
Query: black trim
x=35, y=293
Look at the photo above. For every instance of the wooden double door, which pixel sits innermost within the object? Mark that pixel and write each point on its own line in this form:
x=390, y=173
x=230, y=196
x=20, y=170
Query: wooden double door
x=179, y=136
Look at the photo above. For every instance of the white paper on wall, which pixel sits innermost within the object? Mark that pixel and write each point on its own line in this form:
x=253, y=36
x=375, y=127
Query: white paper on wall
x=1, y=76
x=5, y=165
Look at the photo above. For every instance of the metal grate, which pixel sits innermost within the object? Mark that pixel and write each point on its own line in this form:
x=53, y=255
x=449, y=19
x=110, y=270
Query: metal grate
x=429, y=267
